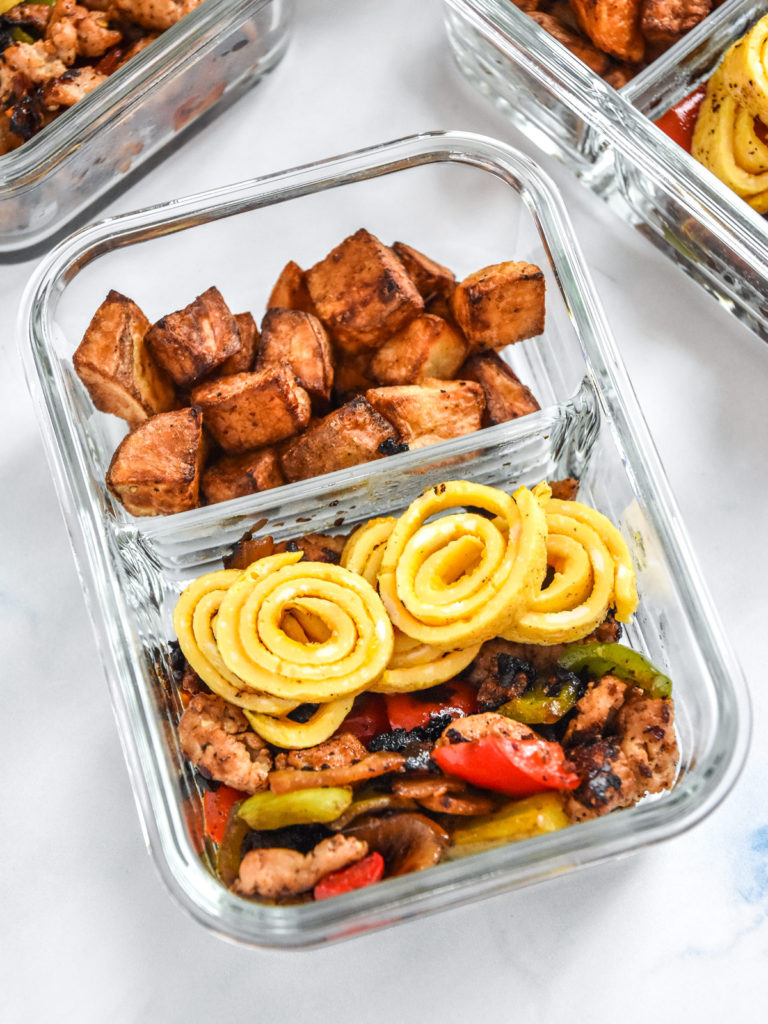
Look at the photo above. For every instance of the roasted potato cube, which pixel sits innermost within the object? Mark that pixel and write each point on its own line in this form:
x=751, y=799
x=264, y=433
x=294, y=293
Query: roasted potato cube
x=426, y=347
x=431, y=411
x=232, y=476
x=290, y=291
x=116, y=367
x=156, y=468
x=188, y=344
x=506, y=397
x=613, y=26
x=666, y=21
x=429, y=277
x=362, y=293
x=244, y=360
x=299, y=340
x=351, y=377
x=346, y=437
x=252, y=410
x=501, y=304
x=571, y=40
x=565, y=489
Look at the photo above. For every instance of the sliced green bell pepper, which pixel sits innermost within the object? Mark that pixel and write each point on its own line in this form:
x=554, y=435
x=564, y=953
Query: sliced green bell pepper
x=600, y=660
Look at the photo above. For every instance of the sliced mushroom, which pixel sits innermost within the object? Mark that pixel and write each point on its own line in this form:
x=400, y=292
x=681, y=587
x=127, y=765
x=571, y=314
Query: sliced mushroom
x=407, y=842
x=462, y=804
x=371, y=803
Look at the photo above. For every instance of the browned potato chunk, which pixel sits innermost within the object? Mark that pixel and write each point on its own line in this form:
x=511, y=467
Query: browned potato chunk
x=501, y=304
x=426, y=347
x=290, y=291
x=565, y=489
x=666, y=21
x=429, y=277
x=506, y=397
x=116, y=367
x=431, y=411
x=571, y=40
x=232, y=476
x=244, y=360
x=613, y=26
x=252, y=410
x=346, y=437
x=351, y=377
x=363, y=293
x=156, y=468
x=298, y=339
x=188, y=344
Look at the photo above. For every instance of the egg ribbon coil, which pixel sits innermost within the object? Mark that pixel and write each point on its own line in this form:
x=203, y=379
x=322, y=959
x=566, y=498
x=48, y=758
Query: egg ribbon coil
x=299, y=735
x=417, y=666
x=194, y=620
x=726, y=142
x=257, y=645
x=592, y=571
x=364, y=550
x=459, y=580
x=745, y=69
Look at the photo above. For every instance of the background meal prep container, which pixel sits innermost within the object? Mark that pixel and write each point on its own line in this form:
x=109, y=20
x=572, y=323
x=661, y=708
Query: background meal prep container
x=608, y=139
x=196, y=68
x=466, y=201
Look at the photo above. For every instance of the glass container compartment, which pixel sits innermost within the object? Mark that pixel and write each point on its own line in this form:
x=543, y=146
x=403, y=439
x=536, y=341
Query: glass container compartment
x=468, y=202
x=608, y=139
x=193, y=70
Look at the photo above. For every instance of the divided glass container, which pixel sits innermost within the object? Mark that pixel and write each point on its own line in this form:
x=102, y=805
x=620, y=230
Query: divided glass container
x=468, y=202
x=193, y=70
x=608, y=138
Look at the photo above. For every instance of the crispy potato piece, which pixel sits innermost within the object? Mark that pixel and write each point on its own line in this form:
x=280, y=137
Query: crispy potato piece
x=116, y=367
x=232, y=476
x=666, y=21
x=565, y=489
x=244, y=360
x=506, y=397
x=156, y=468
x=500, y=304
x=252, y=410
x=188, y=344
x=431, y=411
x=290, y=291
x=619, y=75
x=299, y=340
x=363, y=293
x=348, y=436
x=426, y=347
x=429, y=277
x=613, y=26
x=577, y=44
x=351, y=377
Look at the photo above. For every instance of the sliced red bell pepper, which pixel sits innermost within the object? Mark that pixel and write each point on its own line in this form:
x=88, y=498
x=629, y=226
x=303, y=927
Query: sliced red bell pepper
x=515, y=767
x=367, y=871
x=679, y=121
x=217, y=804
x=367, y=718
x=407, y=710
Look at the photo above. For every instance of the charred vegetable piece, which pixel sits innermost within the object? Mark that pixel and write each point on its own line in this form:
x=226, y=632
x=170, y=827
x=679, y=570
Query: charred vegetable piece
x=517, y=767
x=410, y=710
x=367, y=871
x=369, y=802
x=271, y=810
x=519, y=820
x=217, y=805
x=545, y=702
x=407, y=842
x=230, y=851
x=599, y=660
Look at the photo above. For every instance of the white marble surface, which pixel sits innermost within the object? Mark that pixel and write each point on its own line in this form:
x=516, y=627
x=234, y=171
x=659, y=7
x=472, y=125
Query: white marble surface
x=88, y=932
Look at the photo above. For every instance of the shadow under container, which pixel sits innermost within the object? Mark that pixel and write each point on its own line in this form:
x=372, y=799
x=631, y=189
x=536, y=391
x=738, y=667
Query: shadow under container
x=608, y=138
x=193, y=70
x=467, y=201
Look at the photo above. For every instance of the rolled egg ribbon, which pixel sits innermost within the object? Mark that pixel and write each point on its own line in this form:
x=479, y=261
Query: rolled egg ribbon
x=364, y=549
x=283, y=732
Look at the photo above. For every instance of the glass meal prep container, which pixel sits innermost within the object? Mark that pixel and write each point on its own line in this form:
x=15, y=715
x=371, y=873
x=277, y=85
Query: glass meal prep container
x=609, y=140
x=197, y=67
x=467, y=201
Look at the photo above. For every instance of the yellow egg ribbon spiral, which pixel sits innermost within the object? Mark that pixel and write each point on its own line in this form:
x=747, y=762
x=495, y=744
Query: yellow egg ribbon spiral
x=365, y=546
x=592, y=570
x=726, y=139
x=458, y=580
x=417, y=666
x=341, y=607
